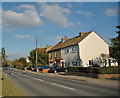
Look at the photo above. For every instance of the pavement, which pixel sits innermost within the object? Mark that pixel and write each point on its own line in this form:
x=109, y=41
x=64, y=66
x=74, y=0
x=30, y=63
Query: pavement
x=112, y=83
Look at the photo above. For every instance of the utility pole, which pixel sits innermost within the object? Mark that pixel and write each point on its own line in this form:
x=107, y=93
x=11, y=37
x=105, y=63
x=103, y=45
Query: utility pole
x=36, y=50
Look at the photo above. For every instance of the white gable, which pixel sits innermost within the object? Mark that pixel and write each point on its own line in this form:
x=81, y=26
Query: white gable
x=91, y=47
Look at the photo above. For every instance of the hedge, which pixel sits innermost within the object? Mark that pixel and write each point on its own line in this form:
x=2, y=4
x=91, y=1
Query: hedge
x=96, y=70
x=20, y=67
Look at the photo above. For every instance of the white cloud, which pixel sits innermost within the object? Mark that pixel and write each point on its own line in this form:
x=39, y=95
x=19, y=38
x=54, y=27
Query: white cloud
x=56, y=39
x=78, y=23
x=56, y=14
x=0, y=16
x=22, y=36
x=0, y=19
x=85, y=13
x=26, y=6
x=111, y=12
x=28, y=18
x=69, y=5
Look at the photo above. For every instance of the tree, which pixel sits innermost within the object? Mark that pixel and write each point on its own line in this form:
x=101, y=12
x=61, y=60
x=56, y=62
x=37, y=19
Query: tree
x=3, y=57
x=42, y=56
x=3, y=54
x=115, y=47
x=23, y=61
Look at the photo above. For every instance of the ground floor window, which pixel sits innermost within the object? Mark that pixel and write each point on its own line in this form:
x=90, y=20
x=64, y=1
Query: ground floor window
x=74, y=63
x=50, y=64
x=67, y=64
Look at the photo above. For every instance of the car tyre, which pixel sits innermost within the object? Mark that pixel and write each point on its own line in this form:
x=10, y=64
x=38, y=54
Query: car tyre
x=55, y=71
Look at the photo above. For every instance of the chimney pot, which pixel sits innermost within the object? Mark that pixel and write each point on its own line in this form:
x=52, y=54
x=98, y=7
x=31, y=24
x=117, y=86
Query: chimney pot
x=64, y=38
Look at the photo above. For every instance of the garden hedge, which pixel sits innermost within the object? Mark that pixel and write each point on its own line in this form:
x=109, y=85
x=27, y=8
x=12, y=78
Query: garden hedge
x=96, y=70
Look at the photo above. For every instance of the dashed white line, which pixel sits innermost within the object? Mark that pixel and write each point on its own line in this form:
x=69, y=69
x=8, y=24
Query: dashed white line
x=51, y=83
x=31, y=77
x=63, y=86
x=38, y=79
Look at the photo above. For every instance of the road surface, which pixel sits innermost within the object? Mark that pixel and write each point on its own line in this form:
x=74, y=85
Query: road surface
x=42, y=85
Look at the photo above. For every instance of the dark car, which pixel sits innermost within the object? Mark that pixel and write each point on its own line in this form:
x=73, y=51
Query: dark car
x=58, y=69
x=61, y=69
x=52, y=69
x=45, y=67
x=5, y=68
x=32, y=68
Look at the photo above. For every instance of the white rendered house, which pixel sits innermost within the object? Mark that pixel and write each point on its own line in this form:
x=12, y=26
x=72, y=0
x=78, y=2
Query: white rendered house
x=80, y=50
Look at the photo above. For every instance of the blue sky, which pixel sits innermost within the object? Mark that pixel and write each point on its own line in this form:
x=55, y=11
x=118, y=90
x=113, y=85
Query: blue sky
x=23, y=21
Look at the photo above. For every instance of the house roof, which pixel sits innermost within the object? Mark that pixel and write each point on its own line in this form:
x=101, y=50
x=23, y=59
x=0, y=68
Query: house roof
x=70, y=42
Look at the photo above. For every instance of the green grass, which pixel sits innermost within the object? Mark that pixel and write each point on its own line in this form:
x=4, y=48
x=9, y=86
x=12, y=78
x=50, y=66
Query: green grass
x=10, y=89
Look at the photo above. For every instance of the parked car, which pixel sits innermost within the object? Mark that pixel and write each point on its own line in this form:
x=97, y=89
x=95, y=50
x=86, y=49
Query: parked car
x=58, y=69
x=39, y=68
x=10, y=67
x=5, y=68
x=45, y=67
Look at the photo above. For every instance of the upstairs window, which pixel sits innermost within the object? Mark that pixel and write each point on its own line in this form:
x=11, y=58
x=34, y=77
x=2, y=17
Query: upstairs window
x=50, y=55
x=55, y=54
x=66, y=50
x=74, y=49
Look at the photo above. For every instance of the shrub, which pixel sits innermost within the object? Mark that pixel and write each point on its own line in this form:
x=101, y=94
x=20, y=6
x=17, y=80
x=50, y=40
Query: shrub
x=96, y=70
x=20, y=67
x=96, y=65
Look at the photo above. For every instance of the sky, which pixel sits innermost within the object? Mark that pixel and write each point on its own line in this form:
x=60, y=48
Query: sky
x=22, y=22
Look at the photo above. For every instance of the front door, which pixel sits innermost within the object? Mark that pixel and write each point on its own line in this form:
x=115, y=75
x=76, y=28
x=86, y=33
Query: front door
x=62, y=64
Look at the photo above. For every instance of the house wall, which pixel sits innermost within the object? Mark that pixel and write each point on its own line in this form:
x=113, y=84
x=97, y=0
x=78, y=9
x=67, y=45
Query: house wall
x=53, y=56
x=91, y=47
x=70, y=56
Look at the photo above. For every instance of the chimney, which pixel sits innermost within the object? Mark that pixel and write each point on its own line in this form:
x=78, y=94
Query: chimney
x=81, y=33
x=64, y=38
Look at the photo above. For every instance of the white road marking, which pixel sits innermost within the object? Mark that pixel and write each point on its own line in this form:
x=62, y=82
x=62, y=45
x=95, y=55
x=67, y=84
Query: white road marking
x=43, y=80
x=30, y=77
x=38, y=79
x=63, y=86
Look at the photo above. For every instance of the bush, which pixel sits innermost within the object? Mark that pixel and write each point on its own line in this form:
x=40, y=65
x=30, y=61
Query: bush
x=20, y=67
x=96, y=65
x=96, y=70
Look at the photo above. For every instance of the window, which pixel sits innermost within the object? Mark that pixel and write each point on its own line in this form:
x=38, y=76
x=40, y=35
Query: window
x=50, y=55
x=67, y=64
x=55, y=54
x=74, y=49
x=67, y=50
x=74, y=63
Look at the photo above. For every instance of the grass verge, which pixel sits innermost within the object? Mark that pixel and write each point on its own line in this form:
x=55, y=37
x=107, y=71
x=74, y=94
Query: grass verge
x=10, y=89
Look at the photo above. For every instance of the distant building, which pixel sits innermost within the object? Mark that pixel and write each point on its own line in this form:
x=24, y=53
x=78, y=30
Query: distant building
x=78, y=51
x=47, y=48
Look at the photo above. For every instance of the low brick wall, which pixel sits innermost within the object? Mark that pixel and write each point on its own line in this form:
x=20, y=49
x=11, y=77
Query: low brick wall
x=98, y=76
x=45, y=70
x=109, y=76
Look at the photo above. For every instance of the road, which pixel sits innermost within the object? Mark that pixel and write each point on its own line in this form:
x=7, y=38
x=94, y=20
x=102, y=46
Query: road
x=42, y=85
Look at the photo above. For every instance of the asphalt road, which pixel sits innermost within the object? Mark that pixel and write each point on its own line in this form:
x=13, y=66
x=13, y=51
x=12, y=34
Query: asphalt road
x=42, y=85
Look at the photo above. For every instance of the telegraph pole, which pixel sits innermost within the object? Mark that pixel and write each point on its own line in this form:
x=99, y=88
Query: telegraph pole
x=36, y=50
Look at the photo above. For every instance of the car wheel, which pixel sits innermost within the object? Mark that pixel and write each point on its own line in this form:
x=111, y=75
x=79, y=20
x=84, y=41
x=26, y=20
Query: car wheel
x=66, y=70
x=55, y=71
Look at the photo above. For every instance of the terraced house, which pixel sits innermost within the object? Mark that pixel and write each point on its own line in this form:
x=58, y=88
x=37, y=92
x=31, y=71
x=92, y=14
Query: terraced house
x=78, y=51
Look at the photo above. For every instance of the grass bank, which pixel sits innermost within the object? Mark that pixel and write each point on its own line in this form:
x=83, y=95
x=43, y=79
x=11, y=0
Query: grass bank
x=10, y=89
